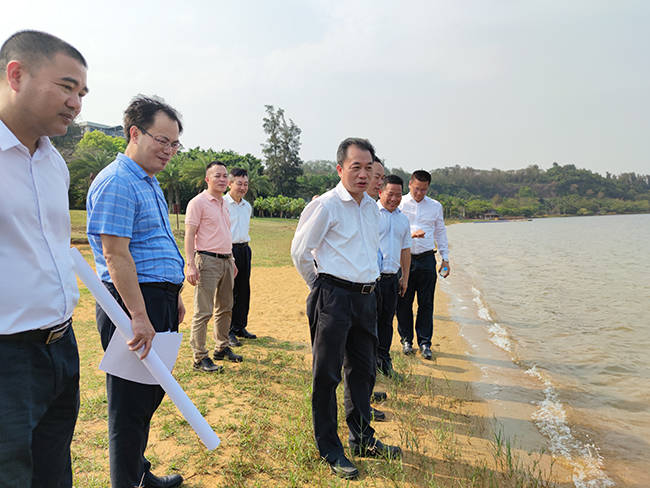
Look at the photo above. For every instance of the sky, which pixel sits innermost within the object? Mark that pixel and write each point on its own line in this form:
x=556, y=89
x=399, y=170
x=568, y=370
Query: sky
x=480, y=83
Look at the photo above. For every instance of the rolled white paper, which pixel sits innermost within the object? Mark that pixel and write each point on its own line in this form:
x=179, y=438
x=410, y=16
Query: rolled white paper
x=152, y=362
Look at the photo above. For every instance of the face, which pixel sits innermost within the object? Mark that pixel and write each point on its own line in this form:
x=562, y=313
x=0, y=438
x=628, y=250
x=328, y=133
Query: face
x=377, y=179
x=356, y=171
x=147, y=151
x=418, y=189
x=217, y=179
x=239, y=186
x=49, y=94
x=391, y=196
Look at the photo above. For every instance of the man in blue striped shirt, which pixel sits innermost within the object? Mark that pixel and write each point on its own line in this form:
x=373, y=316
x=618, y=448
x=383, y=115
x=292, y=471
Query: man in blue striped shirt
x=137, y=258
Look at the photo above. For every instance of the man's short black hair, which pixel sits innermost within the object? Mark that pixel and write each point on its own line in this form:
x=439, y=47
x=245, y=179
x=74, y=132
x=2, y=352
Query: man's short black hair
x=393, y=180
x=141, y=112
x=237, y=172
x=216, y=162
x=421, y=175
x=342, y=151
x=31, y=47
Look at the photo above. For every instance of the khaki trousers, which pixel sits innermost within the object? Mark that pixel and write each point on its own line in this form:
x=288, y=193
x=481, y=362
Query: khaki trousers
x=212, y=296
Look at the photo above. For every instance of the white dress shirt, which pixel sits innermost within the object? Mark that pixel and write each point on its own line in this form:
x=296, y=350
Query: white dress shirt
x=38, y=288
x=394, y=235
x=240, y=219
x=341, y=235
x=426, y=215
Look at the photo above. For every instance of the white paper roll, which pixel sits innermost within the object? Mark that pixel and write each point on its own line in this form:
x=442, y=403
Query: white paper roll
x=152, y=362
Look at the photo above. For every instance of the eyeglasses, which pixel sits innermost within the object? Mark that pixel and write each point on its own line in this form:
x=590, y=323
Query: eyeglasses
x=163, y=141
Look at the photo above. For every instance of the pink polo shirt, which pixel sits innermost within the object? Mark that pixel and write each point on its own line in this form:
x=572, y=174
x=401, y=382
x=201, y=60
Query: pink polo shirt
x=210, y=216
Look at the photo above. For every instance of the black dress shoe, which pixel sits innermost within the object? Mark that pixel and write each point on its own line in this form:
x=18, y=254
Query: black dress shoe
x=227, y=353
x=208, y=366
x=407, y=347
x=378, y=449
x=378, y=396
x=377, y=415
x=245, y=334
x=170, y=481
x=233, y=341
x=426, y=351
x=343, y=468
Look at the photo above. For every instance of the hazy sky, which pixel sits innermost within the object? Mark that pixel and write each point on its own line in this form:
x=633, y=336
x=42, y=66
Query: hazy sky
x=488, y=84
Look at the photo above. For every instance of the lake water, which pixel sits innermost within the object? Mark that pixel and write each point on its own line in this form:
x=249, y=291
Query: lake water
x=567, y=302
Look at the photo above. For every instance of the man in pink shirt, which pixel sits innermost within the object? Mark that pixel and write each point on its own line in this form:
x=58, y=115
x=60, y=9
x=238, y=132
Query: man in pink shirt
x=210, y=268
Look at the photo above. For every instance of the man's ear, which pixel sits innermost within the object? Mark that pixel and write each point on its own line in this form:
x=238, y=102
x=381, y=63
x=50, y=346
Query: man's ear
x=339, y=169
x=134, y=133
x=15, y=74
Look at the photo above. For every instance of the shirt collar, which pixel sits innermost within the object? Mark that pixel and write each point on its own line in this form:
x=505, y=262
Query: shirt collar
x=8, y=140
x=134, y=167
x=206, y=194
x=381, y=207
x=344, y=195
x=230, y=199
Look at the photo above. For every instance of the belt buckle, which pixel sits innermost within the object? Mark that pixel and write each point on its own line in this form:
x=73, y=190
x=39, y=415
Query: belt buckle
x=367, y=289
x=55, y=335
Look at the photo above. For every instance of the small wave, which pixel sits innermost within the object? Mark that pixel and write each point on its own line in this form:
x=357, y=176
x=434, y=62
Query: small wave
x=498, y=335
x=550, y=419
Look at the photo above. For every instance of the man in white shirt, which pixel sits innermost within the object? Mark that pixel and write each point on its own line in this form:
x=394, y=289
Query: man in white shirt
x=395, y=249
x=425, y=216
x=339, y=230
x=42, y=82
x=240, y=218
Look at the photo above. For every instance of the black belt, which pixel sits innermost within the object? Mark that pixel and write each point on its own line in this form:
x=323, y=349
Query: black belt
x=216, y=255
x=239, y=244
x=423, y=254
x=387, y=275
x=45, y=336
x=164, y=285
x=363, y=288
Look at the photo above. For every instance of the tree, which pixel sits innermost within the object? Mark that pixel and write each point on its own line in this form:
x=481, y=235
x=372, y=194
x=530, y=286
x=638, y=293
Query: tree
x=281, y=151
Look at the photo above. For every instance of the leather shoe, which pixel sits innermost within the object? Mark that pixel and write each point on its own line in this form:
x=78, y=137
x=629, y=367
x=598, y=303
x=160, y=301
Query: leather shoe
x=426, y=351
x=208, y=366
x=343, y=468
x=377, y=415
x=245, y=334
x=233, y=341
x=378, y=396
x=227, y=353
x=407, y=347
x=378, y=449
x=169, y=481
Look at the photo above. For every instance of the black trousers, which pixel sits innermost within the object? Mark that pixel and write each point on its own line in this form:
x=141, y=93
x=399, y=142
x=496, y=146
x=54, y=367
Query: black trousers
x=242, y=288
x=388, y=290
x=131, y=405
x=422, y=280
x=39, y=403
x=343, y=334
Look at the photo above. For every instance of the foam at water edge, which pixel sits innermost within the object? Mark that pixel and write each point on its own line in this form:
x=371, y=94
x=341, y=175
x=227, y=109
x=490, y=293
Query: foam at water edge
x=498, y=335
x=550, y=419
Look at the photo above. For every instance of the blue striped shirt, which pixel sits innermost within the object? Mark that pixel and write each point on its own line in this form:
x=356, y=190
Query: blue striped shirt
x=124, y=201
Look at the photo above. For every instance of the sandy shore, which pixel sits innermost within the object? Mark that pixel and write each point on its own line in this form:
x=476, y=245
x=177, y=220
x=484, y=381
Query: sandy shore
x=465, y=423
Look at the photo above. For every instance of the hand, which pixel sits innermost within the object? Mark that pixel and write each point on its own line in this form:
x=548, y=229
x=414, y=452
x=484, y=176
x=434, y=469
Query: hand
x=143, y=334
x=234, y=269
x=403, y=285
x=418, y=234
x=444, y=264
x=181, y=309
x=192, y=274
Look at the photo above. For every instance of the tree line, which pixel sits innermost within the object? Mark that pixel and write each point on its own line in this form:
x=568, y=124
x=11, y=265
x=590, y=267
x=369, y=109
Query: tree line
x=281, y=184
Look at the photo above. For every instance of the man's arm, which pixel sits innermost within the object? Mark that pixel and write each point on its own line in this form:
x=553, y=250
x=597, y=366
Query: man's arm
x=405, y=264
x=440, y=235
x=192, y=274
x=311, y=230
x=121, y=268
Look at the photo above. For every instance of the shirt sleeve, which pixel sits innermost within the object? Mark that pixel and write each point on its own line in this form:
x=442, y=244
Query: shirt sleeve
x=192, y=214
x=113, y=209
x=440, y=234
x=407, y=242
x=313, y=225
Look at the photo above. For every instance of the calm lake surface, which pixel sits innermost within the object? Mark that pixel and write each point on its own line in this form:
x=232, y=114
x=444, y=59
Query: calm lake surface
x=568, y=301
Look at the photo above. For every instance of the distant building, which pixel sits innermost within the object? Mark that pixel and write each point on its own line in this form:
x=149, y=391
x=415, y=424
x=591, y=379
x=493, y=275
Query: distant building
x=115, y=131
